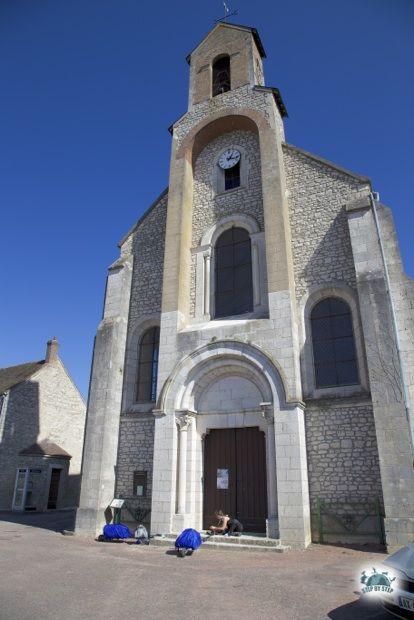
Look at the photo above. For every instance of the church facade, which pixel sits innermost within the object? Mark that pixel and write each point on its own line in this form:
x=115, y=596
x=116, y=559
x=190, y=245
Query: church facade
x=256, y=348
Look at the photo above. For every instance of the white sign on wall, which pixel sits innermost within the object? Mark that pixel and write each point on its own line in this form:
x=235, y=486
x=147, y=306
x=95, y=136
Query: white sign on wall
x=222, y=478
x=117, y=503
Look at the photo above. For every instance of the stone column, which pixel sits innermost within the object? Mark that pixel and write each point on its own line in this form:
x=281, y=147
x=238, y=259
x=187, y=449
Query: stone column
x=104, y=407
x=181, y=517
x=207, y=276
x=384, y=369
x=292, y=478
x=255, y=274
x=272, y=528
x=279, y=259
x=183, y=422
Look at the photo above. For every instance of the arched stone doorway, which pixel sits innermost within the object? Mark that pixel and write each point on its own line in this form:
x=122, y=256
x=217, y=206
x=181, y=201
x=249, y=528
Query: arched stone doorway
x=234, y=440
x=223, y=385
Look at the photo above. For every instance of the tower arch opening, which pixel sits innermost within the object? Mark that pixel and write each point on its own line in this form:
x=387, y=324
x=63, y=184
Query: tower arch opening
x=221, y=77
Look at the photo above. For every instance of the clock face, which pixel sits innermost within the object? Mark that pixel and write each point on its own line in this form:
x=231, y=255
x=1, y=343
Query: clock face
x=229, y=158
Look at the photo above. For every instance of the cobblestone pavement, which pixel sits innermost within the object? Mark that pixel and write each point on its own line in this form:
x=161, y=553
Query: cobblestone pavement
x=45, y=575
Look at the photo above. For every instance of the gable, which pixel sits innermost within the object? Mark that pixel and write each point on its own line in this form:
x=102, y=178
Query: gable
x=13, y=375
x=222, y=25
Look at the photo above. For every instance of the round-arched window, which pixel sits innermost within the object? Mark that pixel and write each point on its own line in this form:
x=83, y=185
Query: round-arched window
x=333, y=342
x=148, y=365
x=233, y=273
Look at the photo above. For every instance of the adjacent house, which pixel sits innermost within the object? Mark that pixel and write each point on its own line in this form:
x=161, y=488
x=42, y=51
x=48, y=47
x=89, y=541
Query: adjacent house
x=42, y=419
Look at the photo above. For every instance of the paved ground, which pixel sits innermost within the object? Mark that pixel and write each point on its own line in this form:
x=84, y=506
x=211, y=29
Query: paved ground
x=45, y=576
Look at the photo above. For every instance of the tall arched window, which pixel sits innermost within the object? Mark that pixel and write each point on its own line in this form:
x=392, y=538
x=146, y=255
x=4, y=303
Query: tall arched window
x=233, y=273
x=333, y=342
x=221, y=75
x=148, y=365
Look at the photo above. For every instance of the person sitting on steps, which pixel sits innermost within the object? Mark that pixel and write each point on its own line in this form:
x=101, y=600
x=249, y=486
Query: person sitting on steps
x=226, y=525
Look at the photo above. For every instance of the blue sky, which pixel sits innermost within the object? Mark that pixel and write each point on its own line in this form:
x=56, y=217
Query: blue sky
x=89, y=88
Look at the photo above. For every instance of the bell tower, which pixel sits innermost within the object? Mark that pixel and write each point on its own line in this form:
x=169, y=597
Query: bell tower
x=229, y=57
x=233, y=122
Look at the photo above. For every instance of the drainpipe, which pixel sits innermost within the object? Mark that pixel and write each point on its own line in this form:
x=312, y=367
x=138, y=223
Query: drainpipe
x=373, y=198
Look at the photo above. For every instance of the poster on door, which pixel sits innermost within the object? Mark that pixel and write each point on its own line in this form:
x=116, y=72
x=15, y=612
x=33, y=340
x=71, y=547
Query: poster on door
x=222, y=478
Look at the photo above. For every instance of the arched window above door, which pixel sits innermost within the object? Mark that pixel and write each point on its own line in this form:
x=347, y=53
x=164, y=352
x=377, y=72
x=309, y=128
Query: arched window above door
x=233, y=273
x=221, y=75
x=334, y=352
x=146, y=390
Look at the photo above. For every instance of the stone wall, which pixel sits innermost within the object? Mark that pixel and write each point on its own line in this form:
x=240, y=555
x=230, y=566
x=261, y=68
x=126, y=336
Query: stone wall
x=148, y=250
x=209, y=207
x=318, y=191
x=240, y=98
x=402, y=288
x=135, y=453
x=136, y=436
x=392, y=430
x=46, y=406
x=343, y=464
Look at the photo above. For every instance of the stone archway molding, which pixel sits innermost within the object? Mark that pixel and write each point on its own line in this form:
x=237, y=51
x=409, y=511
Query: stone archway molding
x=236, y=219
x=222, y=121
x=179, y=389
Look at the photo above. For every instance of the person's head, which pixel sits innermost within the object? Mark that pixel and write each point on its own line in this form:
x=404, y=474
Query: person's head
x=219, y=513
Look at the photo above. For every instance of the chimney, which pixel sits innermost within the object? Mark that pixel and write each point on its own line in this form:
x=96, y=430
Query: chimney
x=52, y=351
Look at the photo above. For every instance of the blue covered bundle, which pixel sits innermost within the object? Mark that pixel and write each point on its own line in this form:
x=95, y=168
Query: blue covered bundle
x=188, y=539
x=117, y=530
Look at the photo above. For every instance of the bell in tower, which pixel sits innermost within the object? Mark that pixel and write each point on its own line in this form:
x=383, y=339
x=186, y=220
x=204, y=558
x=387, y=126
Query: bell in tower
x=229, y=56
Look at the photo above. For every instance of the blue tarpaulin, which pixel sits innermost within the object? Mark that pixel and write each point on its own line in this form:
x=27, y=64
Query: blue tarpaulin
x=188, y=539
x=117, y=530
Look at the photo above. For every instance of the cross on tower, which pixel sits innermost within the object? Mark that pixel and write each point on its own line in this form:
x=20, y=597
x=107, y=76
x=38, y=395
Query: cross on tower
x=226, y=14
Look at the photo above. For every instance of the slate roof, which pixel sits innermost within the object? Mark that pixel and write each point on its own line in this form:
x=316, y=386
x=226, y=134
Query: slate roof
x=12, y=375
x=45, y=448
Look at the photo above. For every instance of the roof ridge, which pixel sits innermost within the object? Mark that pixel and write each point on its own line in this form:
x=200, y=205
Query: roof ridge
x=13, y=375
x=251, y=29
x=142, y=218
x=23, y=364
x=322, y=160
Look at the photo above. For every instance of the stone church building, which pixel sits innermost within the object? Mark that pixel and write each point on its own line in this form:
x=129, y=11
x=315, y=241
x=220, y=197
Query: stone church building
x=256, y=348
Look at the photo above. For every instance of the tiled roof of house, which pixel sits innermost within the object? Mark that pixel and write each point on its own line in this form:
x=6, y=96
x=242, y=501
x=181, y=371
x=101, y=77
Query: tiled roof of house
x=16, y=374
x=45, y=448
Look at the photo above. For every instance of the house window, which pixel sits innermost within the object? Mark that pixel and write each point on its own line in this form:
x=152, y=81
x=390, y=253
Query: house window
x=148, y=365
x=140, y=484
x=233, y=273
x=232, y=177
x=333, y=343
x=221, y=75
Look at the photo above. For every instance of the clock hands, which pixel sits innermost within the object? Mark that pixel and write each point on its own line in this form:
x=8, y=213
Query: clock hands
x=229, y=158
x=232, y=156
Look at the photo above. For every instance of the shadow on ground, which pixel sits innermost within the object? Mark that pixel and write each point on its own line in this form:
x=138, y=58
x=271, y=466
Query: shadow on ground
x=364, y=547
x=360, y=610
x=56, y=521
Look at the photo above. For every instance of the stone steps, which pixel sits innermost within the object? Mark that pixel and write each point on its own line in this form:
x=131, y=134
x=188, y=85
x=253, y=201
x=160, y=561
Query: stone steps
x=233, y=543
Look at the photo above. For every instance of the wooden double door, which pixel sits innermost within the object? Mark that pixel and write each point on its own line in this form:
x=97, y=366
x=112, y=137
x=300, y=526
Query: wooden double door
x=235, y=477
